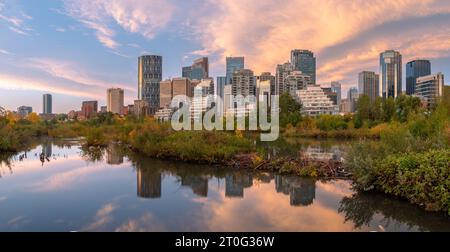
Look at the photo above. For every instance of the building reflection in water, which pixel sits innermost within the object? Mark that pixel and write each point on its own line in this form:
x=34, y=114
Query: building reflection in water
x=198, y=184
x=114, y=155
x=235, y=184
x=302, y=191
x=320, y=153
x=47, y=149
x=149, y=183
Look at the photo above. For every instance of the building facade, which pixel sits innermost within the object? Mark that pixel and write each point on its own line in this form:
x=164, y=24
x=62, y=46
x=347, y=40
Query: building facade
x=198, y=71
x=368, y=84
x=114, y=100
x=149, y=77
x=47, y=106
x=304, y=61
x=23, y=111
x=336, y=87
x=282, y=72
x=352, y=97
x=430, y=88
x=390, y=74
x=243, y=83
x=233, y=64
x=414, y=70
x=89, y=109
x=315, y=102
x=266, y=76
x=296, y=80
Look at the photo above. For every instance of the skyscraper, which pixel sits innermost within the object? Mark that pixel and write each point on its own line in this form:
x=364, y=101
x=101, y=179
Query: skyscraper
x=243, y=83
x=390, y=74
x=220, y=85
x=47, y=104
x=114, y=97
x=296, y=80
x=304, y=60
x=368, y=84
x=282, y=72
x=198, y=71
x=266, y=76
x=352, y=97
x=336, y=87
x=430, y=88
x=234, y=64
x=165, y=93
x=414, y=70
x=149, y=76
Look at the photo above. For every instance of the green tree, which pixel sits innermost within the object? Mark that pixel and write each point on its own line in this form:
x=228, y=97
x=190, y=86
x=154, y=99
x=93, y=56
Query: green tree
x=290, y=110
x=388, y=109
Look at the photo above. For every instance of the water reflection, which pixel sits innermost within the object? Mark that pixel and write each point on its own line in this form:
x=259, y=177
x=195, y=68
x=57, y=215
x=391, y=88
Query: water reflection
x=301, y=191
x=135, y=193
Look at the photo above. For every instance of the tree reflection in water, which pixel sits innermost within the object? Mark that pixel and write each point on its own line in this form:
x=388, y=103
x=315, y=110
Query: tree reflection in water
x=362, y=208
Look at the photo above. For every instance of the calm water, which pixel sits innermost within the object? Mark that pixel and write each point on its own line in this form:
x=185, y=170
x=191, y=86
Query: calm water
x=76, y=190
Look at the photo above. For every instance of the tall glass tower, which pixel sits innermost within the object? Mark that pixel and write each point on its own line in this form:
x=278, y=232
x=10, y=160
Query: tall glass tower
x=234, y=64
x=304, y=60
x=390, y=74
x=149, y=77
x=414, y=70
x=47, y=104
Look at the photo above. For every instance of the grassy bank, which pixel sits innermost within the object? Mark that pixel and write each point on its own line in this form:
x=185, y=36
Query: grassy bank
x=411, y=161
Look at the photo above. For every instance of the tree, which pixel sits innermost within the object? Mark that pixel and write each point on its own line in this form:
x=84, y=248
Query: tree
x=388, y=109
x=290, y=110
x=405, y=105
x=363, y=107
x=33, y=118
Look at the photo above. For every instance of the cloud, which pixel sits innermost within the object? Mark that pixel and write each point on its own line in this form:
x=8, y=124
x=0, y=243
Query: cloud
x=5, y=52
x=72, y=72
x=15, y=18
x=60, y=30
x=135, y=16
x=266, y=31
x=101, y=218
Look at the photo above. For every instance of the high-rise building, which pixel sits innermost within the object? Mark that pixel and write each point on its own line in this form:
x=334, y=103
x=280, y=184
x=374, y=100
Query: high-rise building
x=165, y=93
x=390, y=74
x=304, y=60
x=89, y=109
x=114, y=98
x=368, y=84
x=352, y=97
x=266, y=76
x=23, y=111
x=141, y=108
x=234, y=64
x=430, y=88
x=182, y=86
x=296, y=80
x=198, y=71
x=282, y=72
x=243, y=83
x=227, y=98
x=220, y=85
x=47, y=104
x=414, y=70
x=149, y=77
x=331, y=94
x=336, y=87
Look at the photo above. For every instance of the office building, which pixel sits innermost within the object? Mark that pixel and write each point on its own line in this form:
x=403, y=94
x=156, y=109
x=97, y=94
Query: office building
x=47, y=104
x=415, y=69
x=233, y=64
x=89, y=109
x=141, y=108
x=331, y=94
x=198, y=71
x=352, y=96
x=282, y=72
x=114, y=98
x=336, y=87
x=304, y=61
x=390, y=74
x=165, y=93
x=266, y=76
x=315, y=102
x=296, y=80
x=430, y=88
x=368, y=84
x=24, y=111
x=243, y=83
x=149, y=77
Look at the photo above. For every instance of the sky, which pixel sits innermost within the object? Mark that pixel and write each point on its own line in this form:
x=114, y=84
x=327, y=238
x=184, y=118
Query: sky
x=76, y=49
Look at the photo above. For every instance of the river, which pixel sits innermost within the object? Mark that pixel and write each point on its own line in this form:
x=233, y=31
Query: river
x=71, y=189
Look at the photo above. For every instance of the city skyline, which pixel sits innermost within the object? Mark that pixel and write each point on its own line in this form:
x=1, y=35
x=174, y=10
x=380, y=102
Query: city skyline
x=38, y=56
